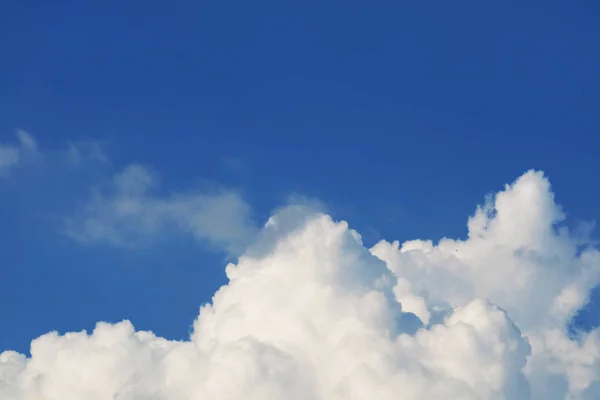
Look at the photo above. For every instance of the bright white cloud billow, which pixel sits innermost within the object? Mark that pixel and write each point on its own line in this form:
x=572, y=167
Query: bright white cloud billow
x=310, y=314
x=128, y=211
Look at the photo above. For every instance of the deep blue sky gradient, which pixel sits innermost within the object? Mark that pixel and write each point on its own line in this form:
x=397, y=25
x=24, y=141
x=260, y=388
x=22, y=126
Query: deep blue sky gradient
x=401, y=116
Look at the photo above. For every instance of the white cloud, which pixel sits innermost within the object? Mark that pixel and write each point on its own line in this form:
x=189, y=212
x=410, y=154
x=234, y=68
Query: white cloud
x=13, y=154
x=312, y=314
x=513, y=247
x=127, y=212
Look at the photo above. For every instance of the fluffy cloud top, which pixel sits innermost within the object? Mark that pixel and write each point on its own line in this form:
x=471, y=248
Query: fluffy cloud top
x=310, y=313
x=13, y=154
x=127, y=211
x=513, y=256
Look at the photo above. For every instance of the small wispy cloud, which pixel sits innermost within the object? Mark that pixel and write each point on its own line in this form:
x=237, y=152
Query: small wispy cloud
x=25, y=150
x=78, y=152
x=128, y=211
x=14, y=154
x=234, y=164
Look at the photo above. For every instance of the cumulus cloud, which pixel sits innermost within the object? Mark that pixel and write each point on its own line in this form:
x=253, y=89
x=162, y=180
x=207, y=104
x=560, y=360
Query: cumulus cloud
x=513, y=246
x=127, y=211
x=310, y=313
x=13, y=154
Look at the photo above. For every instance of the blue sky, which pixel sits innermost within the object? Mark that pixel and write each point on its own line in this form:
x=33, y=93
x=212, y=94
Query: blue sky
x=399, y=117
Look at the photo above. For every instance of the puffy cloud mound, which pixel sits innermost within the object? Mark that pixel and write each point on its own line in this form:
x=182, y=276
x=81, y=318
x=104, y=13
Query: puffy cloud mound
x=309, y=313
